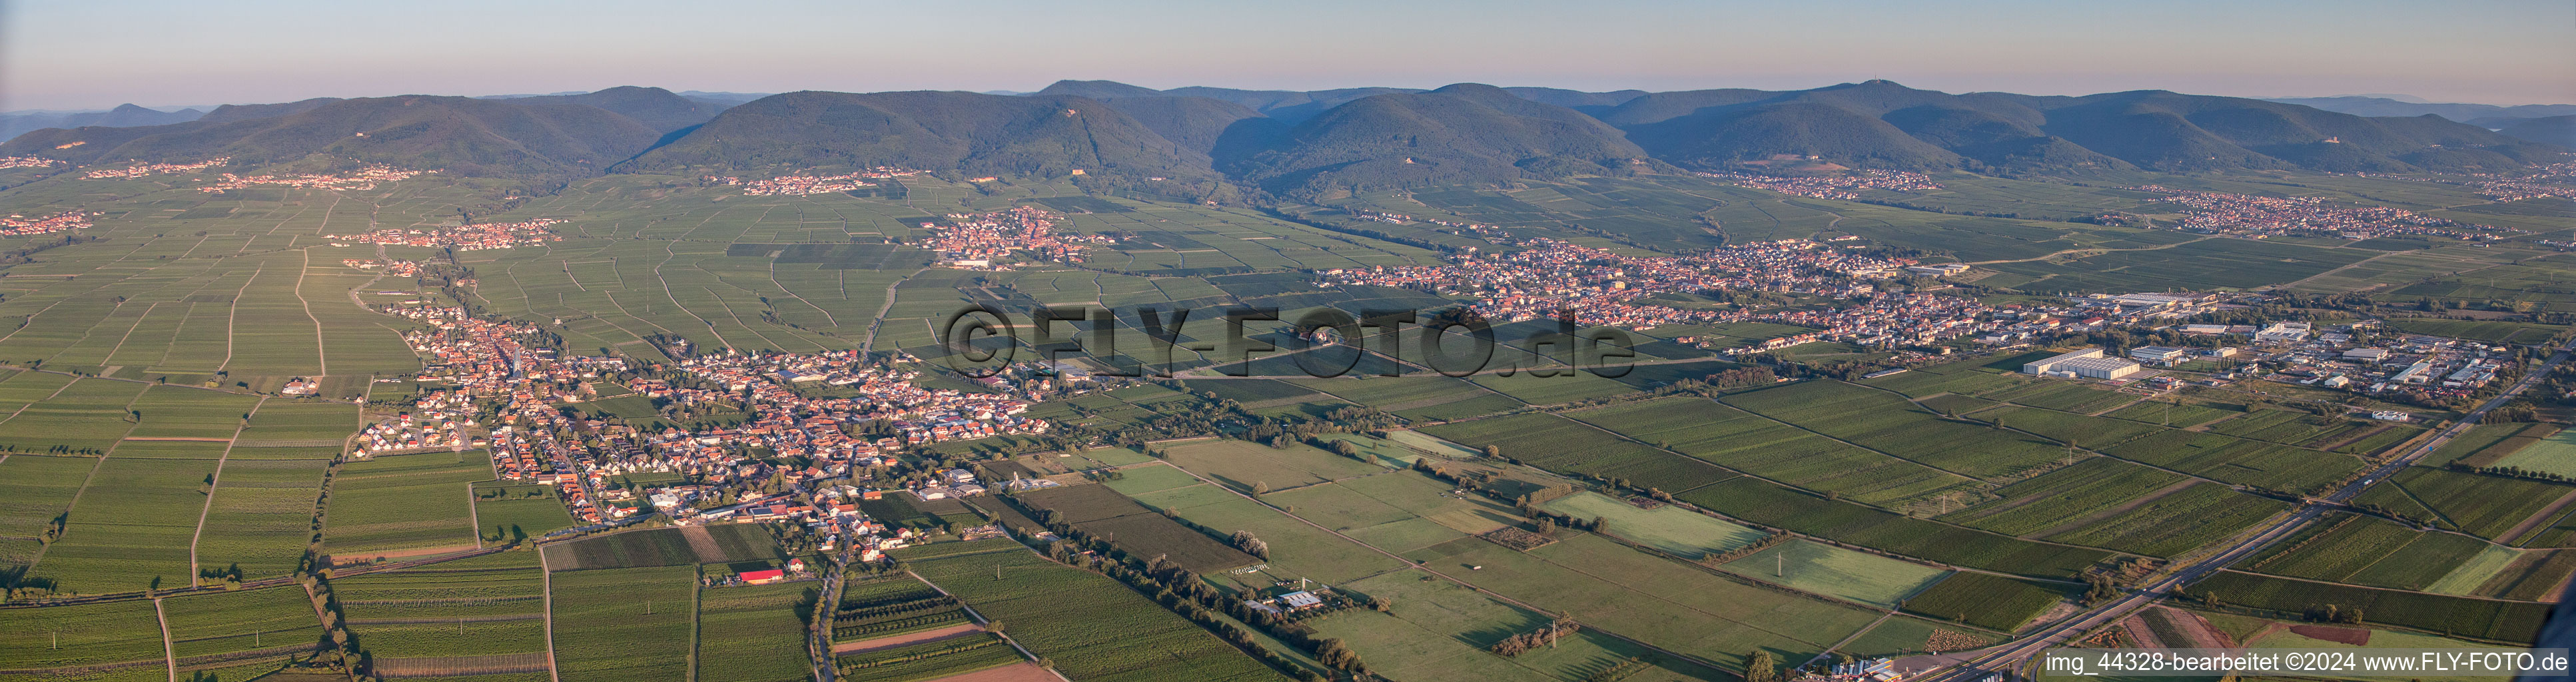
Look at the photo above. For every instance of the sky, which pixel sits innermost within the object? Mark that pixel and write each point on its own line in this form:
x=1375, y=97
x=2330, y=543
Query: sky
x=94, y=54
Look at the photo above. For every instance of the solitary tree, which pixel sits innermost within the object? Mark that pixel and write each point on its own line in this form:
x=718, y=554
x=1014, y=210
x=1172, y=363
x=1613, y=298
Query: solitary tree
x=1761, y=666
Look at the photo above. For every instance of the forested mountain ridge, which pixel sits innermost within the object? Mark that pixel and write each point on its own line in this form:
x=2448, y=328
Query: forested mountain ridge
x=1319, y=142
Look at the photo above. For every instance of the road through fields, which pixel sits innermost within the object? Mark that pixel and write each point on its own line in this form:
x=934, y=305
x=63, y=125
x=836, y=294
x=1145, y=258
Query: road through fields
x=2012, y=655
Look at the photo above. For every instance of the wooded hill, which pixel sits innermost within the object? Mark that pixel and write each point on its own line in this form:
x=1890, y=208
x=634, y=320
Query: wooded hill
x=1313, y=143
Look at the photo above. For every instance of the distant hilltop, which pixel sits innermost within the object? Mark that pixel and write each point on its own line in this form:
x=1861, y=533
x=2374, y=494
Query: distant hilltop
x=1214, y=141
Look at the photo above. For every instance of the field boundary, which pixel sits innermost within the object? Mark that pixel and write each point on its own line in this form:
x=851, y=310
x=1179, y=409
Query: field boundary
x=215, y=485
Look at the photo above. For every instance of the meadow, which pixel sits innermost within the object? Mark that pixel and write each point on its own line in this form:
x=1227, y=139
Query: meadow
x=1832, y=571
x=2555, y=453
x=1672, y=530
x=508, y=513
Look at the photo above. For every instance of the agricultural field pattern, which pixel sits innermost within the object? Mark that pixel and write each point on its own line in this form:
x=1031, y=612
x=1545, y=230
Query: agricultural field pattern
x=683, y=420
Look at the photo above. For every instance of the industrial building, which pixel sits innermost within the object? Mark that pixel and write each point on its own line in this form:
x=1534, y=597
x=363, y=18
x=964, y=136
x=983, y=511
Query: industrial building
x=2088, y=363
x=2159, y=354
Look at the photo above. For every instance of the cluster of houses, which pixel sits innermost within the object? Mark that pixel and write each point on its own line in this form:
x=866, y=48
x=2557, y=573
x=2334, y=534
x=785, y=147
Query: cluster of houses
x=18, y=225
x=835, y=411
x=985, y=240
x=437, y=420
x=790, y=423
x=1604, y=287
x=361, y=179
x=1845, y=187
x=2546, y=180
x=147, y=169
x=392, y=266
x=1884, y=321
x=469, y=237
x=27, y=162
x=802, y=184
x=2253, y=216
x=1381, y=216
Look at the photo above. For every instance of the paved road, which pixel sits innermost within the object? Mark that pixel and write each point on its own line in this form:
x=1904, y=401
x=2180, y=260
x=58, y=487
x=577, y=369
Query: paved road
x=2012, y=656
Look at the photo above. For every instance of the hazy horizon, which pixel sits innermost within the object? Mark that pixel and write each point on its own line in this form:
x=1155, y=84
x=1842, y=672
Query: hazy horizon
x=168, y=54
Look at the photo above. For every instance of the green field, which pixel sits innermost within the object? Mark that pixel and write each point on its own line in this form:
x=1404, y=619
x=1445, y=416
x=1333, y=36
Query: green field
x=105, y=634
x=2371, y=551
x=1437, y=631
x=1988, y=601
x=486, y=605
x=1836, y=572
x=238, y=623
x=2485, y=506
x=1741, y=441
x=1668, y=529
x=510, y=512
x=1886, y=423
x=753, y=633
x=141, y=408
x=626, y=624
x=405, y=503
x=1772, y=505
x=2057, y=498
x=2172, y=524
x=665, y=547
x=1090, y=625
x=2497, y=621
x=2555, y=454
